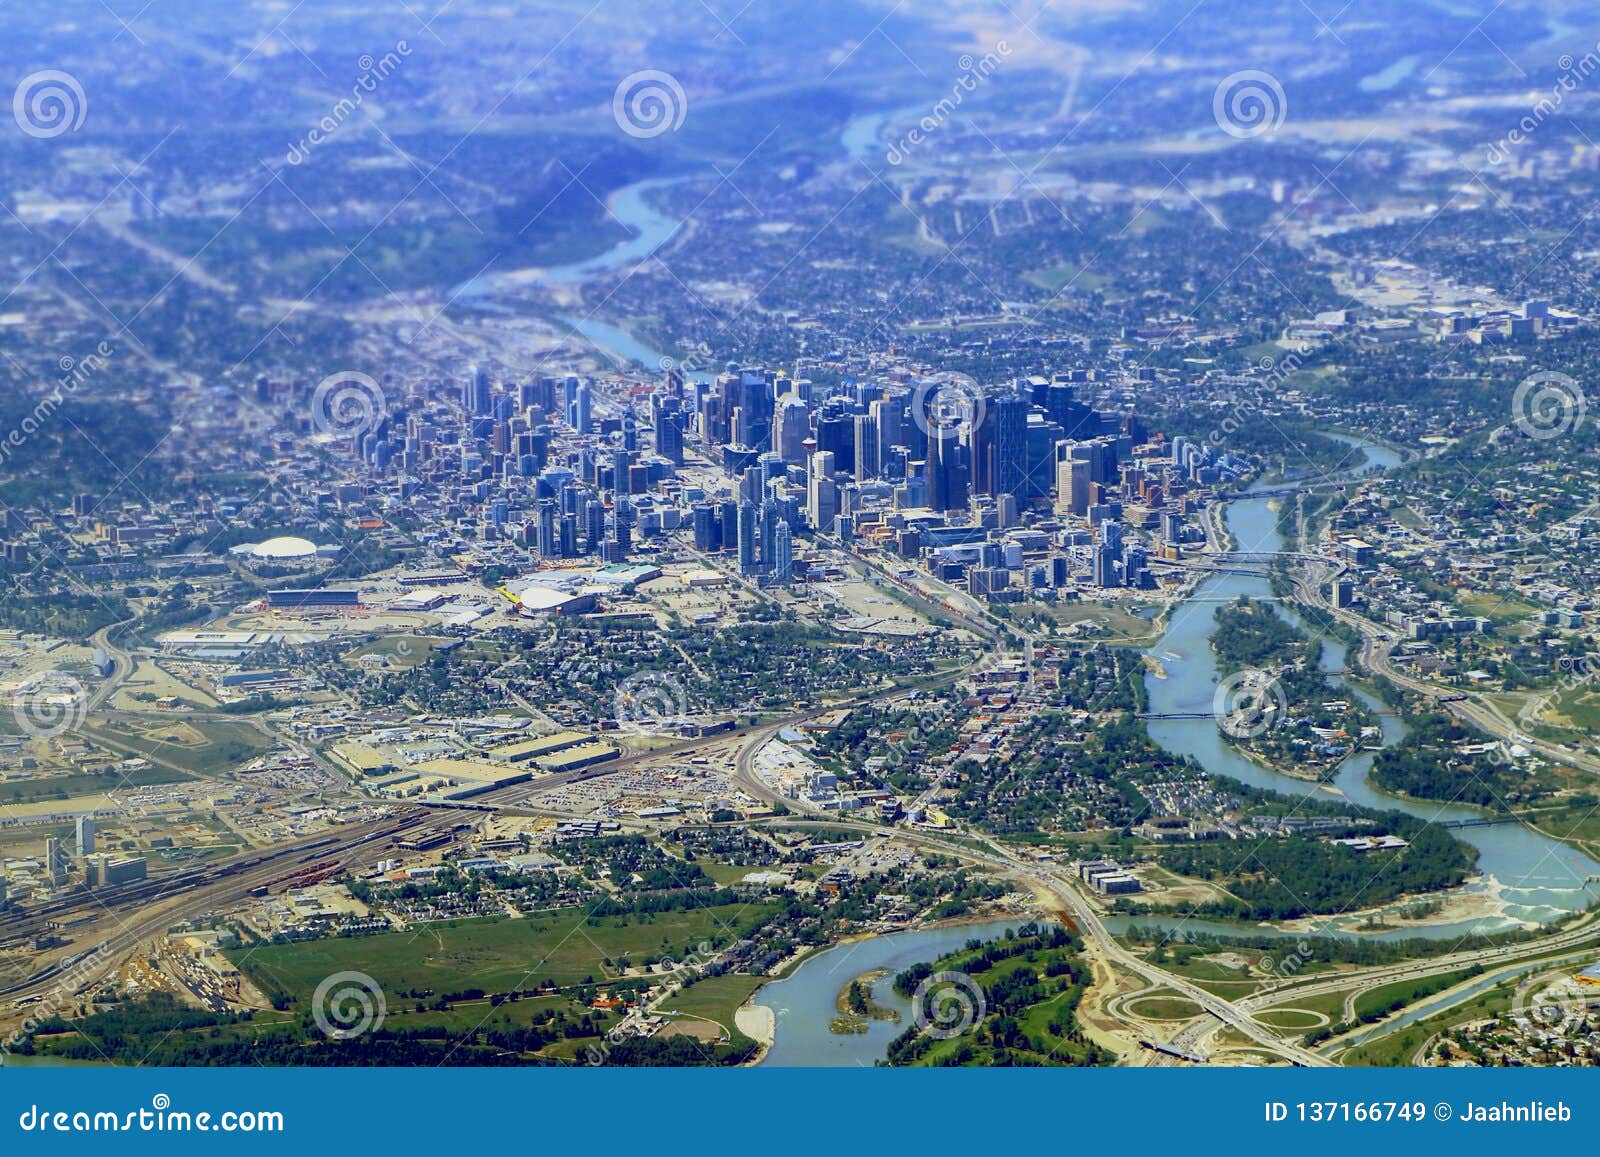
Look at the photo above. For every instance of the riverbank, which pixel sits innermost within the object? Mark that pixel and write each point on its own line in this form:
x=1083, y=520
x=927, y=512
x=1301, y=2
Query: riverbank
x=1524, y=876
x=804, y=1003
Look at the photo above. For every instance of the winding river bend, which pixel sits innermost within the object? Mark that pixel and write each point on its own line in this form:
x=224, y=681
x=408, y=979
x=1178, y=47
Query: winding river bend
x=649, y=229
x=803, y=1002
x=1531, y=878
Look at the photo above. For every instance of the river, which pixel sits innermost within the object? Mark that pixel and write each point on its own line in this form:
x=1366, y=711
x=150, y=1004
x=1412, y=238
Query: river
x=649, y=228
x=803, y=1003
x=1533, y=878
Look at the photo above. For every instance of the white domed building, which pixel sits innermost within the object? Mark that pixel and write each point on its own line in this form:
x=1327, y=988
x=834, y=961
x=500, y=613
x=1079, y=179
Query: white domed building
x=286, y=550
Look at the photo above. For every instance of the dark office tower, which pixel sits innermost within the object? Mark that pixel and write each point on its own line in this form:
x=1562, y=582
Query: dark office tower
x=569, y=536
x=886, y=420
x=748, y=488
x=547, y=529
x=1075, y=419
x=782, y=553
x=1103, y=461
x=867, y=460
x=980, y=450
x=476, y=398
x=666, y=419
x=619, y=471
x=748, y=517
x=594, y=531
x=837, y=436
x=669, y=439
x=535, y=391
x=912, y=432
x=772, y=469
x=948, y=484
x=589, y=466
x=572, y=497
x=1009, y=469
x=705, y=528
x=1041, y=439
x=621, y=541
x=769, y=528
x=715, y=421
x=630, y=431
x=754, y=401
x=580, y=409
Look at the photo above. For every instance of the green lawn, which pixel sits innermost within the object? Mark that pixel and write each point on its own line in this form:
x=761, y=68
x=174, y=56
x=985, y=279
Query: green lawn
x=493, y=954
x=715, y=998
x=227, y=744
x=83, y=783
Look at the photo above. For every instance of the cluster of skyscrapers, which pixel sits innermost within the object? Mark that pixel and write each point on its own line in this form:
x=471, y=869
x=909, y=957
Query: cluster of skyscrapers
x=933, y=466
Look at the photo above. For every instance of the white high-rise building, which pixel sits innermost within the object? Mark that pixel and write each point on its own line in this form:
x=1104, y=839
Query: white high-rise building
x=822, y=493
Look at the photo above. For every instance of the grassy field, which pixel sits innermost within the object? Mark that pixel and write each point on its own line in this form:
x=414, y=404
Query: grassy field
x=566, y=948
x=203, y=748
x=1114, y=625
x=1055, y=276
x=1398, y=1047
x=1378, y=1000
x=82, y=783
x=725, y=873
x=716, y=998
x=1160, y=1007
x=400, y=650
x=1500, y=608
x=1289, y=1018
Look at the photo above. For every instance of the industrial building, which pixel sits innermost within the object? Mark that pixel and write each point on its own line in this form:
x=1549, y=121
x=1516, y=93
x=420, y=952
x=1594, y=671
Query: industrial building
x=1108, y=878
